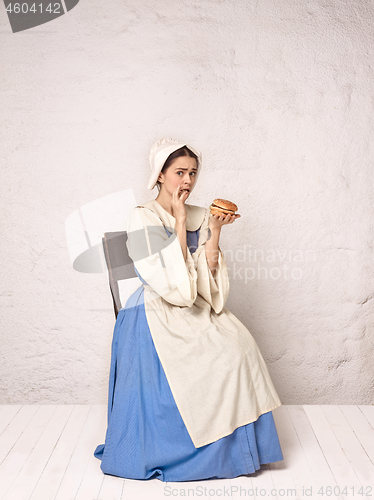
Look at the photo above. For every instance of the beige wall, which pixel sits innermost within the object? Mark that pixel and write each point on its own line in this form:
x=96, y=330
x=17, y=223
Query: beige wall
x=278, y=96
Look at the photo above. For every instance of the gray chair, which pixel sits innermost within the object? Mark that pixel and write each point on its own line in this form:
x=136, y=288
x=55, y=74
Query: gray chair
x=119, y=263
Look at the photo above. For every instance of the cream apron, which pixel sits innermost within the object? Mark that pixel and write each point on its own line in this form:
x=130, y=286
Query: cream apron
x=213, y=365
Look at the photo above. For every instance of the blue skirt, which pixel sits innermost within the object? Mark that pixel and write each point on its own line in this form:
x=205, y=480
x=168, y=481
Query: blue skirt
x=146, y=437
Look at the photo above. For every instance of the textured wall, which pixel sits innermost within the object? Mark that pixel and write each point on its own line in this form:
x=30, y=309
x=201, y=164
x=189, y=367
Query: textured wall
x=278, y=96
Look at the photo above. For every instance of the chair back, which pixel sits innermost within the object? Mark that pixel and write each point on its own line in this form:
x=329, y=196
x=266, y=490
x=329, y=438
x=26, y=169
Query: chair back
x=119, y=263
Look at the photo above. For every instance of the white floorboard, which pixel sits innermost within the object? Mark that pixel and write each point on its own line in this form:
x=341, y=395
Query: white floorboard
x=314, y=464
x=352, y=448
x=92, y=434
x=55, y=469
x=46, y=453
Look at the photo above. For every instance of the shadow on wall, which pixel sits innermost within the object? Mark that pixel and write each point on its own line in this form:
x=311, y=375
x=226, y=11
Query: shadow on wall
x=86, y=226
x=96, y=241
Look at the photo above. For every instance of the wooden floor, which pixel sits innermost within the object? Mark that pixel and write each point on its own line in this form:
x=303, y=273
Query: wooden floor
x=46, y=453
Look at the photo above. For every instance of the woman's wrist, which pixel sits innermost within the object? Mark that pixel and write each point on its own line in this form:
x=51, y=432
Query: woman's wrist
x=180, y=225
x=181, y=220
x=215, y=230
x=212, y=249
x=180, y=229
x=215, y=233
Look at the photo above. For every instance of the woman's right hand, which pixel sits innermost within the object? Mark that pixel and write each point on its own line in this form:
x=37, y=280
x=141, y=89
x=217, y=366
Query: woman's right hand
x=177, y=204
x=217, y=221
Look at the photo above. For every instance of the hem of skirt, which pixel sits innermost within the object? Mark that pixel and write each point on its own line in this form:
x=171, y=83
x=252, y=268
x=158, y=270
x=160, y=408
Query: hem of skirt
x=205, y=478
x=248, y=470
x=229, y=432
x=270, y=459
x=165, y=479
x=267, y=459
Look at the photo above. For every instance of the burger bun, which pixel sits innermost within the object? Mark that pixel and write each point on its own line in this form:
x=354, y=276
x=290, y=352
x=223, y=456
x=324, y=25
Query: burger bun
x=220, y=206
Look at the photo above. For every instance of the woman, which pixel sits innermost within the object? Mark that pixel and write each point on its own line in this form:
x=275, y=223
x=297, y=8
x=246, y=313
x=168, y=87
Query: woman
x=190, y=396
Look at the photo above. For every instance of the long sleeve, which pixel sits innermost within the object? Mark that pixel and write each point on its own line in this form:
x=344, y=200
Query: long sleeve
x=215, y=290
x=159, y=259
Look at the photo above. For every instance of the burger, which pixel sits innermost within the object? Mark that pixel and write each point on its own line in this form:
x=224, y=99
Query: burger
x=224, y=207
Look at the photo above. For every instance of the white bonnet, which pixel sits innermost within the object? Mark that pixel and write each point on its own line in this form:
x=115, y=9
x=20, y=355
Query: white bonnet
x=159, y=154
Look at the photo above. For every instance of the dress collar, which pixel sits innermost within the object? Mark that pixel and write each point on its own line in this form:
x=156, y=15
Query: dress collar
x=195, y=215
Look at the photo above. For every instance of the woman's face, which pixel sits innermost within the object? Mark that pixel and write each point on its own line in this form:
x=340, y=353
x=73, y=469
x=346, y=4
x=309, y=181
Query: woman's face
x=182, y=170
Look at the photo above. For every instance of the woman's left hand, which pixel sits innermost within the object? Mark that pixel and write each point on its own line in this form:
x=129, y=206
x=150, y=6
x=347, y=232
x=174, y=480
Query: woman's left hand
x=217, y=221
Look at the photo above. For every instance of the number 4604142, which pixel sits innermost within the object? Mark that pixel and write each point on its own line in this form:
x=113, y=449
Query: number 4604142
x=24, y=8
